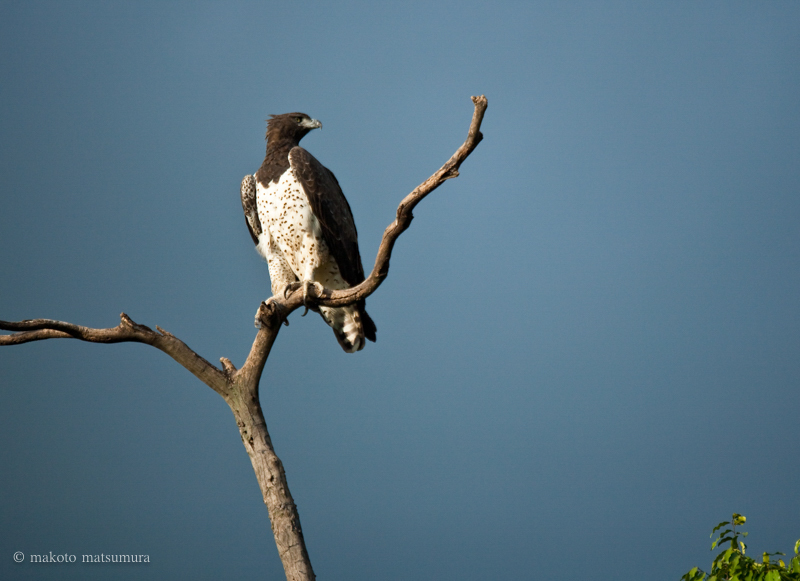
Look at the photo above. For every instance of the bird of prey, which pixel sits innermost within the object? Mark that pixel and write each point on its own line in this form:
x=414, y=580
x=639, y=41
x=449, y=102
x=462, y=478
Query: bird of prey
x=302, y=225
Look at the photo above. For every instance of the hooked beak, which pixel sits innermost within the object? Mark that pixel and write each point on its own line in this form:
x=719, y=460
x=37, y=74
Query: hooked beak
x=311, y=124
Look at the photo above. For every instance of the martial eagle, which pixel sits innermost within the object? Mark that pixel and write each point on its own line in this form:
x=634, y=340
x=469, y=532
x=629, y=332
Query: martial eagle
x=302, y=225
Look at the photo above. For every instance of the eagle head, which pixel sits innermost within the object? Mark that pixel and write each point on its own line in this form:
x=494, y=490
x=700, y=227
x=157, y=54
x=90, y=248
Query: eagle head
x=290, y=126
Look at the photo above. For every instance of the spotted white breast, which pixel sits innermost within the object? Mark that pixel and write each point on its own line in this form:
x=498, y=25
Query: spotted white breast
x=295, y=249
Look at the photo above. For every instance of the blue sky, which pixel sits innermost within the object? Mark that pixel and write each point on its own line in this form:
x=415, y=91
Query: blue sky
x=587, y=345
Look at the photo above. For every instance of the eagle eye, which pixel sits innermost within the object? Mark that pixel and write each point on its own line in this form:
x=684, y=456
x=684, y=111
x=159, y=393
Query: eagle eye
x=298, y=119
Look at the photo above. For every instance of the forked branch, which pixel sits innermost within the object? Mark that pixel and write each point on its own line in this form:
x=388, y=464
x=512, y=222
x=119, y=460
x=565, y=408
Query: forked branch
x=239, y=387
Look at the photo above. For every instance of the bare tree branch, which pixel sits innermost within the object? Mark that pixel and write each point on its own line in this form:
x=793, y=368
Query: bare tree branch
x=126, y=331
x=239, y=387
x=340, y=298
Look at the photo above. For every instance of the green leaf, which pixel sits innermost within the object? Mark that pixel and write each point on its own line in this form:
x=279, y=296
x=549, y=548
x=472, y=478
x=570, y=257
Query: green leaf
x=694, y=574
x=732, y=564
x=720, y=541
x=735, y=559
x=719, y=526
x=729, y=553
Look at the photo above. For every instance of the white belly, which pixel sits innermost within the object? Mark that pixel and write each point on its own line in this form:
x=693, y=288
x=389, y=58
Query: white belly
x=295, y=232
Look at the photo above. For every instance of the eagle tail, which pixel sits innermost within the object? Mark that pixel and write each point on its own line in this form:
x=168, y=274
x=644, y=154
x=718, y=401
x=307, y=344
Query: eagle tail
x=351, y=325
x=369, y=325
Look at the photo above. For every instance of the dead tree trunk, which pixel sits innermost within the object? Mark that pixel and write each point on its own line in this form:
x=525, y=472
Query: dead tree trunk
x=239, y=387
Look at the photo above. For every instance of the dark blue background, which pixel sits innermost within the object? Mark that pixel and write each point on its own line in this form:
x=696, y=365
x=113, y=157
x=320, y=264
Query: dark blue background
x=588, y=345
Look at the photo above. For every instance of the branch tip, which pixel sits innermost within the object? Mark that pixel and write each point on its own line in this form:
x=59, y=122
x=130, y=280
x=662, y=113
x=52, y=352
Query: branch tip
x=163, y=332
x=126, y=321
x=227, y=366
x=480, y=100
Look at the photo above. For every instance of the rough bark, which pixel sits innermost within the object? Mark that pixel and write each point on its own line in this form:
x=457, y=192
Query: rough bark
x=239, y=387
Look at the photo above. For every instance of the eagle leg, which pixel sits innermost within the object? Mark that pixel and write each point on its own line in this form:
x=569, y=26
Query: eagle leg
x=317, y=286
x=290, y=288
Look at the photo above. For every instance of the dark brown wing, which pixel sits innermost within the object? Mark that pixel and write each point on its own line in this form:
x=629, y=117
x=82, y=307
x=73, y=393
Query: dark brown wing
x=248, y=192
x=333, y=212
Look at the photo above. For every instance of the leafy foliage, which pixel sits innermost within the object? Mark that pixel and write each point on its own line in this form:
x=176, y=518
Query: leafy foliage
x=733, y=565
